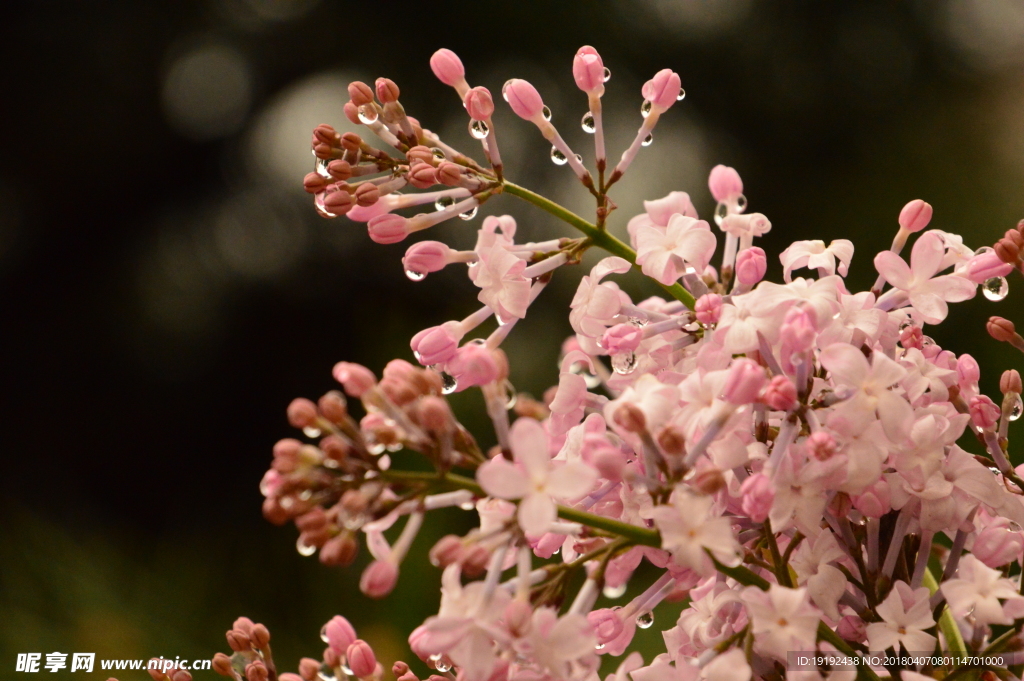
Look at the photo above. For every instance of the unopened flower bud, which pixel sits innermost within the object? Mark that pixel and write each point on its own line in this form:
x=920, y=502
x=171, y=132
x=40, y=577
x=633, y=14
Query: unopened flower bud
x=475, y=560
x=314, y=183
x=708, y=308
x=708, y=481
x=757, y=494
x=446, y=551
x=984, y=412
x=606, y=623
x=387, y=90
x=237, y=640
x=309, y=669
x=360, y=93
x=744, y=382
x=821, y=445
x=780, y=394
x=338, y=201
x=222, y=665
x=399, y=668
x=630, y=418
x=1001, y=329
x=366, y=194
x=312, y=520
x=339, y=169
x=333, y=407
x=671, y=441
x=379, y=578
x=840, y=504
x=875, y=501
x=474, y=365
x=725, y=184
x=420, y=154
x=422, y=175
x=351, y=112
x=1007, y=251
x=479, y=103
x=447, y=66
x=288, y=676
x=339, y=551
x=351, y=141
x=434, y=414
x=437, y=344
x=997, y=546
x=662, y=90
x=425, y=257
x=361, y=659
x=355, y=378
x=588, y=70
x=622, y=338
x=274, y=512
x=302, y=413
x=524, y=99
x=260, y=636
x=1009, y=382
x=852, y=628
x=751, y=265
x=983, y=267
x=915, y=216
x=256, y=671
x=388, y=228
x=449, y=174
x=967, y=370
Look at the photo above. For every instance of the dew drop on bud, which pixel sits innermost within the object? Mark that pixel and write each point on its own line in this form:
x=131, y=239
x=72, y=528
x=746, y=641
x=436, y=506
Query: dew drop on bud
x=1018, y=408
x=479, y=130
x=613, y=592
x=321, y=167
x=326, y=674
x=415, y=276
x=588, y=123
x=624, y=363
x=741, y=203
x=644, y=620
x=367, y=114
x=984, y=249
x=995, y=289
x=546, y=113
x=647, y=141
x=607, y=75
x=438, y=153
x=444, y=202
x=346, y=669
x=311, y=432
x=504, y=89
x=321, y=208
x=303, y=548
x=448, y=383
x=557, y=157
x=681, y=96
x=323, y=634
x=721, y=212
x=645, y=108
x=469, y=214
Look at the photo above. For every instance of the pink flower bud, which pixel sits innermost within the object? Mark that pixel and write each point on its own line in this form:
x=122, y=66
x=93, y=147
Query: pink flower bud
x=751, y=264
x=425, y=257
x=708, y=308
x=361, y=659
x=852, y=628
x=630, y=418
x=475, y=560
x=523, y=98
x=983, y=267
x=351, y=112
x=332, y=406
x=340, y=169
x=379, y=578
x=314, y=183
x=367, y=213
x=725, y=184
x=473, y=365
x=479, y=103
x=780, y=394
x=758, y=494
x=609, y=462
x=967, y=370
x=821, y=445
x=798, y=331
x=340, y=634
x=288, y=676
x=360, y=93
x=338, y=201
x=662, y=90
x=622, y=338
x=256, y=671
x=309, y=668
x=449, y=173
x=434, y=414
x=606, y=623
x=422, y=175
x=1009, y=382
x=984, y=412
x=447, y=66
x=339, y=551
x=437, y=344
x=996, y=546
x=387, y=90
x=388, y=228
x=355, y=378
x=446, y=551
x=1000, y=329
x=744, y=383
x=366, y=194
x=915, y=216
x=875, y=501
x=302, y=413
x=588, y=70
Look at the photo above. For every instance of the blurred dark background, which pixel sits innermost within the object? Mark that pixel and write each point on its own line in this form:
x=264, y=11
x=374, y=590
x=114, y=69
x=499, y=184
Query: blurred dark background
x=168, y=287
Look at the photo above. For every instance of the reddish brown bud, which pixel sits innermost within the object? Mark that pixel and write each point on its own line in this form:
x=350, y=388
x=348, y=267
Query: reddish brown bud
x=446, y=551
x=360, y=93
x=1010, y=382
x=274, y=512
x=671, y=441
x=237, y=640
x=422, y=175
x=326, y=134
x=420, y=153
x=339, y=551
x=1001, y=329
x=332, y=658
x=387, y=91
x=435, y=415
x=309, y=668
x=302, y=413
x=256, y=671
x=180, y=675
x=260, y=636
x=313, y=520
x=222, y=665
x=1014, y=236
x=340, y=169
x=155, y=670
x=708, y=481
x=354, y=502
x=338, y=201
x=475, y=560
x=1007, y=251
x=314, y=183
x=449, y=173
x=367, y=194
x=350, y=141
x=399, y=668
x=630, y=418
x=335, y=448
x=333, y=406
x=351, y=112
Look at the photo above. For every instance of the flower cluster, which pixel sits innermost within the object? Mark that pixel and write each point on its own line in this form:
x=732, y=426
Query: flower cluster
x=793, y=458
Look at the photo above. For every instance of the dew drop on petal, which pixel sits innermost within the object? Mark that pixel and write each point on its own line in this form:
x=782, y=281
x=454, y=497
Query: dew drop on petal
x=588, y=123
x=367, y=114
x=303, y=548
x=681, y=96
x=546, y=113
x=448, y=383
x=444, y=202
x=469, y=214
x=645, y=108
x=721, y=212
x=1018, y=408
x=647, y=141
x=479, y=130
x=557, y=157
x=310, y=431
x=415, y=276
x=624, y=363
x=607, y=75
x=438, y=153
x=996, y=288
x=613, y=592
x=644, y=620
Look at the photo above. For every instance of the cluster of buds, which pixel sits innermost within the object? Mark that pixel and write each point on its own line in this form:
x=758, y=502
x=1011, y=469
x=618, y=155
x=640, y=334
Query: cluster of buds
x=786, y=455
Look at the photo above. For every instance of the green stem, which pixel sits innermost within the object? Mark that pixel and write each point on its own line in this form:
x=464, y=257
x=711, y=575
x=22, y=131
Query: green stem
x=825, y=633
x=949, y=628
x=600, y=237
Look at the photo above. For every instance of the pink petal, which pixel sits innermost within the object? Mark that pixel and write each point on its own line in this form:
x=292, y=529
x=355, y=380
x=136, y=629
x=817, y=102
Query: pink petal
x=926, y=257
x=536, y=513
x=571, y=481
x=894, y=269
x=501, y=479
x=529, y=445
x=846, y=363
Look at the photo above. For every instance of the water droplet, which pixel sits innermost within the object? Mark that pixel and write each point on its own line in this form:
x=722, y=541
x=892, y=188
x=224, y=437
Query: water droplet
x=310, y=431
x=599, y=646
x=546, y=113
x=647, y=141
x=345, y=668
x=305, y=495
x=318, y=203
x=995, y=289
x=467, y=505
x=442, y=664
x=444, y=202
x=624, y=363
x=448, y=383
x=613, y=592
x=303, y=548
x=415, y=276
x=681, y=96
x=984, y=249
x=287, y=502
x=504, y=89
x=588, y=123
x=557, y=157
x=579, y=159
x=320, y=165
x=511, y=397
x=479, y=130
x=367, y=114
x=645, y=108
x=607, y=75
x=323, y=634
x=469, y=214
x=741, y=203
x=326, y=674
x=1018, y=408
x=375, y=448
x=721, y=212
x=644, y=620
x=438, y=153
x=906, y=324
